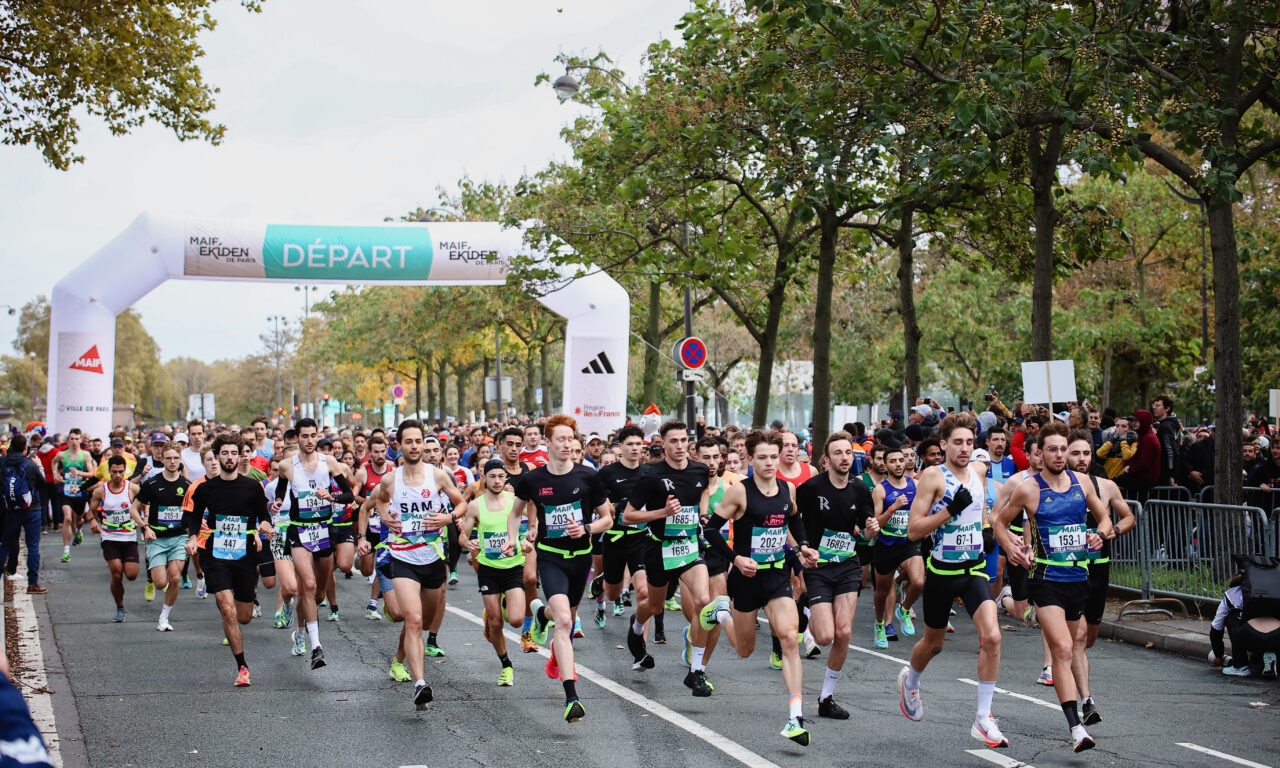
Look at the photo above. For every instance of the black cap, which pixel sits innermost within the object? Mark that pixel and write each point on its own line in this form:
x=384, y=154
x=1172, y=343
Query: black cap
x=117, y=442
x=493, y=464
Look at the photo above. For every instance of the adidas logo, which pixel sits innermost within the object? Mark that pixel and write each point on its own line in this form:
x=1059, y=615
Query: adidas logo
x=599, y=364
x=89, y=362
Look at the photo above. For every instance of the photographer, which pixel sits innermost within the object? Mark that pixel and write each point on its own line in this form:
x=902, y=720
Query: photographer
x=1118, y=448
x=1254, y=640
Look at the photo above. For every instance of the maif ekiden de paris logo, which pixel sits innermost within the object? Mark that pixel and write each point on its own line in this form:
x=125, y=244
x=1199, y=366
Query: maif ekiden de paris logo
x=89, y=362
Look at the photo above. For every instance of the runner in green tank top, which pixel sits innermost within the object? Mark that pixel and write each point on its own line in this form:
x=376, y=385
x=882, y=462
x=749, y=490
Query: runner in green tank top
x=498, y=550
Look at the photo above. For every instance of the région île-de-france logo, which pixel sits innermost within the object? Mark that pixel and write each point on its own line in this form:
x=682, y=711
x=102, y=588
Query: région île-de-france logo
x=89, y=362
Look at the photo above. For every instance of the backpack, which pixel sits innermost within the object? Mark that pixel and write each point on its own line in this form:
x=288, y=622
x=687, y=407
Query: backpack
x=1261, y=585
x=16, y=493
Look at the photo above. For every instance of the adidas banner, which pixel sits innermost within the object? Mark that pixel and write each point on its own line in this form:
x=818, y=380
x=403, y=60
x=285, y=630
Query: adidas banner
x=598, y=383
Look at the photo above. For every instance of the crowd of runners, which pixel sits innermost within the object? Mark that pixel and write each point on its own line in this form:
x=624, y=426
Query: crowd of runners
x=718, y=526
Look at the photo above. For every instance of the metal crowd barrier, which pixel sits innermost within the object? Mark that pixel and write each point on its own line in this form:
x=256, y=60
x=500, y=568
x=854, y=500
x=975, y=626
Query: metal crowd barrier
x=1188, y=546
x=1266, y=500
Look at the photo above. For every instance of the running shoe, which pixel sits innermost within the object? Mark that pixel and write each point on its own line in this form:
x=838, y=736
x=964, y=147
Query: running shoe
x=811, y=647
x=795, y=731
x=986, y=730
x=242, y=677
x=186, y=583
x=1237, y=671
x=1269, y=666
x=421, y=696
x=387, y=614
x=371, y=613
x=672, y=603
x=553, y=668
x=120, y=614
x=432, y=650
x=163, y=625
x=149, y=592
x=453, y=578
x=224, y=641
x=687, y=655
x=626, y=599
x=508, y=676
x=890, y=633
x=950, y=627
x=619, y=609
x=399, y=672
x=317, y=657
x=574, y=711
x=299, y=643
x=597, y=587
x=659, y=634
x=78, y=538
x=577, y=628
x=910, y=702
x=600, y=617
x=257, y=609
x=526, y=642
x=697, y=682
x=1082, y=738
x=635, y=644
x=66, y=557
x=1090, y=714
x=539, y=629
x=201, y=591
x=1046, y=676
x=287, y=610
x=904, y=621
x=333, y=615
x=775, y=661
x=880, y=640
x=708, y=616
x=829, y=708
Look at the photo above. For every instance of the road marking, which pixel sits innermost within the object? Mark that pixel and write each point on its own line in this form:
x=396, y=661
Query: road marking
x=1024, y=697
x=998, y=759
x=34, y=683
x=728, y=746
x=1223, y=755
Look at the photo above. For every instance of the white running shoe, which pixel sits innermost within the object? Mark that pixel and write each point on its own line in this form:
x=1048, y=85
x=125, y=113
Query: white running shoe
x=912, y=707
x=1082, y=738
x=986, y=730
x=163, y=625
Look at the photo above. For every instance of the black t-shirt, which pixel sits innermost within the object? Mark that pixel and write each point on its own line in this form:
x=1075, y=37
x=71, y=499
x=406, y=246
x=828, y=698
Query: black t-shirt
x=825, y=508
x=619, y=483
x=686, y=485
x=559, y=500
x=164, y=501
x=238, y=497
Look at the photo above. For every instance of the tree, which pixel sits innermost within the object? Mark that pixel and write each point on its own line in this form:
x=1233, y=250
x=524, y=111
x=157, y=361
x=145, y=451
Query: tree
x=123, y=62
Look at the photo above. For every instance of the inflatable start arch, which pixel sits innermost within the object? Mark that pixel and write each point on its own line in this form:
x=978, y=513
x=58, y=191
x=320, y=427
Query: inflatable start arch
x=158, y=248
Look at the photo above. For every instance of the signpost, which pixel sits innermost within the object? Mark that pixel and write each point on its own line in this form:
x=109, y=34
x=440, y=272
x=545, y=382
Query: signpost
x=690, y=354
x=1049, y=381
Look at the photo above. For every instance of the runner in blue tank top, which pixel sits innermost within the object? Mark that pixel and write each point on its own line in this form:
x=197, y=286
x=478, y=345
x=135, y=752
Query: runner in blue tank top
x=894, y=550
x=1057, y=506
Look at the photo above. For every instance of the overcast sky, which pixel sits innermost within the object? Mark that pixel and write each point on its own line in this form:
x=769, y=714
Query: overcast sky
x=335, y=111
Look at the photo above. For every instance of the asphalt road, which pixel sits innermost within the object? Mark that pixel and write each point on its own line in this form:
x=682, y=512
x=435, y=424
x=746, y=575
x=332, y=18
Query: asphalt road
x=139, y=697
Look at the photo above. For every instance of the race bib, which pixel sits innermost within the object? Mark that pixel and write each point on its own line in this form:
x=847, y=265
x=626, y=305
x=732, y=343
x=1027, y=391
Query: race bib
x=1067, y=543
x=230, y=539
x=767, y=543
x=897, y=523
x=524, y=527
x=310, y=507
x=679, y=552
x=493, y=542
x=957, y=543
x=835, y=546
x=71, y=485
x=314, y=537
x=559, y=519
x=169, y=515
x=683, y=524
x=116, y=520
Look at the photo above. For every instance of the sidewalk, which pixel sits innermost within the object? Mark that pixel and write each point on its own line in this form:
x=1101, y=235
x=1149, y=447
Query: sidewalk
x=1187, y=637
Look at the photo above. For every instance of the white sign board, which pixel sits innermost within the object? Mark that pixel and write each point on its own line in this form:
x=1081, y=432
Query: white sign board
x=1275, y=403
x=1049, y=381
x=491, y=388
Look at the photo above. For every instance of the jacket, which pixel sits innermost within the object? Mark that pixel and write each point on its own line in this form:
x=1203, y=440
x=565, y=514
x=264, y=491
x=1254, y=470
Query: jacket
x=1115, y=454
x=1145, y=464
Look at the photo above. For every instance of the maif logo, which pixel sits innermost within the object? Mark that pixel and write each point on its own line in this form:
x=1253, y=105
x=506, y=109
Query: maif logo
x=89, y=362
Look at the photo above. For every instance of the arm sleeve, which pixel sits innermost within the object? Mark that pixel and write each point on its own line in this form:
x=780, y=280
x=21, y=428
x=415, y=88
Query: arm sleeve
x=716, y=541
x=196, y=512
x=344, y=494
x=796, y=525
x=259, y=506
x=282, y=488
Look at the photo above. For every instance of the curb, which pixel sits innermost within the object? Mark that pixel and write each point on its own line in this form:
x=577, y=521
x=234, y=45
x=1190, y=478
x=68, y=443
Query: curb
x=1190, y=644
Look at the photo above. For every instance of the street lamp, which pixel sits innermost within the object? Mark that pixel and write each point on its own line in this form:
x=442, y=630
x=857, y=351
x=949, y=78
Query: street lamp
x=566, y=86
x=277, y=353
x=31, y=355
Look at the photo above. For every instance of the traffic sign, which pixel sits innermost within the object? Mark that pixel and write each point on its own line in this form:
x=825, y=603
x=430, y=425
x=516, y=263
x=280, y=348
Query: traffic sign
x=690, y=353
x=397, y=392
x=690, y=374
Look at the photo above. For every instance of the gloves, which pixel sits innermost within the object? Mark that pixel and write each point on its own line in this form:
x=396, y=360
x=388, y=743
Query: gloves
x=960, y=502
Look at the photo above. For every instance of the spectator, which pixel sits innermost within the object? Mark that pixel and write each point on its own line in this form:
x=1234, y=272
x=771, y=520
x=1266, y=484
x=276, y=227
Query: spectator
x=1167, y=430
x=1254, y=641
x=1143, y=470
x=22, y=516
x=1118, y=447
x=1017, y=445
x=1199, y=463
x=1265, y=475
x=1251, y=454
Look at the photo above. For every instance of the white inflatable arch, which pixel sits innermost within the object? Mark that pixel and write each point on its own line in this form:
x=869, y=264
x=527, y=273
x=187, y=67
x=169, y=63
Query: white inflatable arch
x=156, y=248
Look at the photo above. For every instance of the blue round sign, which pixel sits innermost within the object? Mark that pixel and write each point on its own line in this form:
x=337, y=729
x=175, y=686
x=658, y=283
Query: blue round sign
x=693, y=353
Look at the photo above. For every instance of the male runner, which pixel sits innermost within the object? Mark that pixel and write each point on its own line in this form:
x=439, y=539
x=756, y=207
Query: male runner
x=1058, y=506
x=532, y=451
x=285, y=575
x=498, y=553
x=229, y=505
x=262, y=445
x=624, y=545
x=368, y=476
x=834, y=511
x=70, y=469
x=762, y=511
x=563, y=496
x=894, y=550
x=949, y=508
x=789, y=468
x=668, y=498
x=509, y=442
x=113, y=500
x=159, y=501
x=409, y=505
x=1079, y=458
x=306, y=480
x=712, y=452
x=192, y=461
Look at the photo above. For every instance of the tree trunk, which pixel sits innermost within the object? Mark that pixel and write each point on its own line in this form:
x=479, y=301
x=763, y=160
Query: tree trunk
x=911, y=333
x=442, y=376
x=1044, y=175
x=431, y=396
x=822, y=330
x=544, y=370
x=1228, y=388
x=652, y=333
x=459, y=383
x=775, y=299
x=1106, y=378
x=530, y=398
x=484, y=402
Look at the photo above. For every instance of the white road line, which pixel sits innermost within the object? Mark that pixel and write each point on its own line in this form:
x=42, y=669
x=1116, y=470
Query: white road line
x=1223, y=755
x=729, y=747
x=998, y=759
x=1024, y=697
x=35, y=685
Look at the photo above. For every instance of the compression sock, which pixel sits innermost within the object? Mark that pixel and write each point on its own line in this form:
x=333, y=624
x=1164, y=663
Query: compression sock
x=912, y=682
x=1073, y=716
x=240, y=661
x=829, y=683
x=528, y=624
x=506, y=662
x=985, y=692
x=796, y=702
x=313, y=632
x=542, y=615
